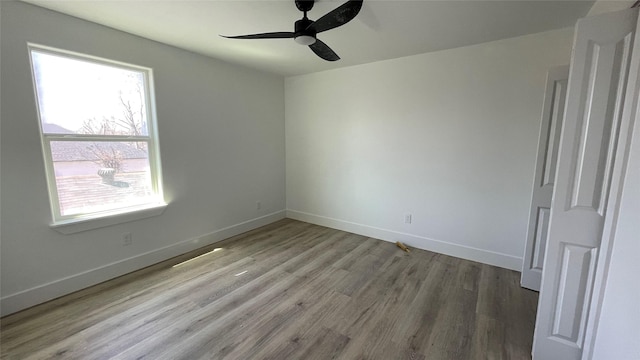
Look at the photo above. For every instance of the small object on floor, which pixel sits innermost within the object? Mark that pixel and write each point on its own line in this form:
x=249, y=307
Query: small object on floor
x=402, y=246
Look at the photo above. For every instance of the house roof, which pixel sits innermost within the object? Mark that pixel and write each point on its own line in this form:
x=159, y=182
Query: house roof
x=88, y=150
x=55, y=129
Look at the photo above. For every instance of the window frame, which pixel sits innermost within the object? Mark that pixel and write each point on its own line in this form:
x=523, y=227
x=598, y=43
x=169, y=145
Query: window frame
x=86, y=221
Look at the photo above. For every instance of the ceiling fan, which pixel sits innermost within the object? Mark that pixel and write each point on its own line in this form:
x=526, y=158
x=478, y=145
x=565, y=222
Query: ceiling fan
x=305, y=30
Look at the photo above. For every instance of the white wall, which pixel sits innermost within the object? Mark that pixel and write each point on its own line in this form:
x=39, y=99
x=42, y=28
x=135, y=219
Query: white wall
x=449, y=137
x=605, y=6
x=221, y=140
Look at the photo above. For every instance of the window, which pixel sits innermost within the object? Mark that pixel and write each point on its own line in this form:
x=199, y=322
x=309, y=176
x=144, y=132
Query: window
x=98, y=135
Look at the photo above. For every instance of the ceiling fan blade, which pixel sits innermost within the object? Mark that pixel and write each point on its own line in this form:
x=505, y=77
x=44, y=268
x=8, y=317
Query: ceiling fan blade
x=324, y=51
x=271, y=35
x=338, y=16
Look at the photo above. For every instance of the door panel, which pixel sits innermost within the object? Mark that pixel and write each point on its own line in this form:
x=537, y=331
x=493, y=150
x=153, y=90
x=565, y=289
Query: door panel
x=551, y=131
x=576, y=271
x=548, y=142
x=540, y=238
x=605, y=77
x=595, y=97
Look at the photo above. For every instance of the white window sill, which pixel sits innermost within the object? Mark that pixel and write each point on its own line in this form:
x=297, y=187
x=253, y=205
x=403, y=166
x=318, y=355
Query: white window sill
x=103, y=220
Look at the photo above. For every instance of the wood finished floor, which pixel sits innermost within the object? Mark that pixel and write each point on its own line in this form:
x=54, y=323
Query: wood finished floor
x=289, y=290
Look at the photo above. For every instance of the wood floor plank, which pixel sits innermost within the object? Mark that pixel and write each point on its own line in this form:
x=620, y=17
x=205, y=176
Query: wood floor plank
x=488, y=339
x=388, y=313
x=302, y=333
x=327, y=345
x=289, y=290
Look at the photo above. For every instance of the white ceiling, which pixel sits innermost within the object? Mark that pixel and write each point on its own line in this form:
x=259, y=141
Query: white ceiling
x=384, y=29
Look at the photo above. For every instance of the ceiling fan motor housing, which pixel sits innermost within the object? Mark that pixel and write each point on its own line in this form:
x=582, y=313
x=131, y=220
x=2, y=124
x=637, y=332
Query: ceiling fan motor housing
x=304, y=5
x=302, y=33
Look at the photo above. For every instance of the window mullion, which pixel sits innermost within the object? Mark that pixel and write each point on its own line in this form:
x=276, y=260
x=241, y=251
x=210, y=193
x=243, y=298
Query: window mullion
x=83, y=137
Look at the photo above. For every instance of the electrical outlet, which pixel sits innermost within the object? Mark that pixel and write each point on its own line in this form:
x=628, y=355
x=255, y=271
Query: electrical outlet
x=126, y=239
x=258, y=205
x=407, y=218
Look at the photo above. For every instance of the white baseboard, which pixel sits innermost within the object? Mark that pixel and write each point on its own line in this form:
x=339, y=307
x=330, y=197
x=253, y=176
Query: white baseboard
x=42, y=293
x=465, y=252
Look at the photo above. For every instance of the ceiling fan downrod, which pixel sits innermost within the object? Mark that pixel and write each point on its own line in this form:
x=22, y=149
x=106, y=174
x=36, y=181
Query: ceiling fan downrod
x=303, y=35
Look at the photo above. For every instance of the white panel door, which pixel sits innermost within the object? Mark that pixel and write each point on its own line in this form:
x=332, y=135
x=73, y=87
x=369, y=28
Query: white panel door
x=548, y=142
x=595, y=96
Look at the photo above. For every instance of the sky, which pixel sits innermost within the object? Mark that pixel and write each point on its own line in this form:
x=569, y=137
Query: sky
x=71, y=91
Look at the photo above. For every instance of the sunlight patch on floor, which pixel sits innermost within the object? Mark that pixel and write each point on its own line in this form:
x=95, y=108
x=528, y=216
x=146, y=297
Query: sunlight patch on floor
x=197, y=257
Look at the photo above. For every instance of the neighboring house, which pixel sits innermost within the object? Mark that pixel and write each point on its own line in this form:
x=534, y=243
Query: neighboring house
x=74, y=158
x=77, y=163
